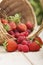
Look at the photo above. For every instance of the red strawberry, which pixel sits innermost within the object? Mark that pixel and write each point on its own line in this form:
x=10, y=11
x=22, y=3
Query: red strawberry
x=11, y=45
x=20, y=47
x=24, y=42
x=4, y=21
x=25, y=48
x=17, y=34
x=29, y=25
x=15, y=30
x=12, y=25
x=11, y=32
x=20, y=39
x=29, y=42
x=21, y=27
x=24, y=33
x=34, y=46
x=39, y=40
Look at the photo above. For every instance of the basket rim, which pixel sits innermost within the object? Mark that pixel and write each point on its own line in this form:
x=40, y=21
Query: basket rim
x=28, y=3
x=35, y=20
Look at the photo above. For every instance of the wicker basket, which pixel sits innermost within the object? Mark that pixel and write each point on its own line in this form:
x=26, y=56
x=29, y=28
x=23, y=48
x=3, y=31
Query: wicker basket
x=17, y=6
x=41, y=1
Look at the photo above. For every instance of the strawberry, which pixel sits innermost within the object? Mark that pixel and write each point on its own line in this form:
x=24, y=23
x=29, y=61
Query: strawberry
x=29, y=42
x=11, y=32
x=24, y=33
x=20, y=39
x=34, y=46
x=17, y=34
x=12, y=25
x=25, y=48
x=24, y=42
x=20, y=47
x=15, y=30
x=4, y=21
x=21, y=27
x=29, y=25
x=39, y=40
x=10, y=45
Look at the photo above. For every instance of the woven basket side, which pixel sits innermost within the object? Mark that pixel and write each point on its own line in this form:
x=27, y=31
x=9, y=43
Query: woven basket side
x=18, y=6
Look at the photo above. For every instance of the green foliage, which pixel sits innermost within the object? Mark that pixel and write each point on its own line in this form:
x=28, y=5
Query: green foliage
x=5, y=44
x=38, y=10
x=7, y=27
x=16, y=18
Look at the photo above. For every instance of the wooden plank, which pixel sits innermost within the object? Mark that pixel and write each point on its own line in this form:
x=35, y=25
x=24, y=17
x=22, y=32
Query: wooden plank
x=15, y=58
x=35, y=57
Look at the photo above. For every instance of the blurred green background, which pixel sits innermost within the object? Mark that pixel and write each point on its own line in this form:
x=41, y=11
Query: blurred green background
x=38, y=10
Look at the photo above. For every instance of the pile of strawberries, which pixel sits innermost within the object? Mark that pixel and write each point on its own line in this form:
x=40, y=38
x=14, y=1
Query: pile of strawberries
x=24, y=46
x=20, y=31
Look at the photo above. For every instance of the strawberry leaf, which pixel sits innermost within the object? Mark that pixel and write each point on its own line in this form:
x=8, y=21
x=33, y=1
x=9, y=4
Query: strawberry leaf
x=5, y=44
x=7, y=27
x=11, y=18
x=15, y=18
x=32, y=38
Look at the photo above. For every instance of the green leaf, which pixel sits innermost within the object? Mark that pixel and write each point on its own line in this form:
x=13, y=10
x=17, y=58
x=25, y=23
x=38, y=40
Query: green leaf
x=11, y=18
x=5, y=44
x=32, y=38
x=38, y=10
x=15, y=18
x=7, y=27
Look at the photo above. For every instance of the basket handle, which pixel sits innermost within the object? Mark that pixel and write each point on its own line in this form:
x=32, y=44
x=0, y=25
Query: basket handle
x=36, y=32
x=41, y=1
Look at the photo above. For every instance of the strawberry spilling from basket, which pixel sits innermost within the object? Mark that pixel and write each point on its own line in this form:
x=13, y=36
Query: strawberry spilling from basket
x=19, y=30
